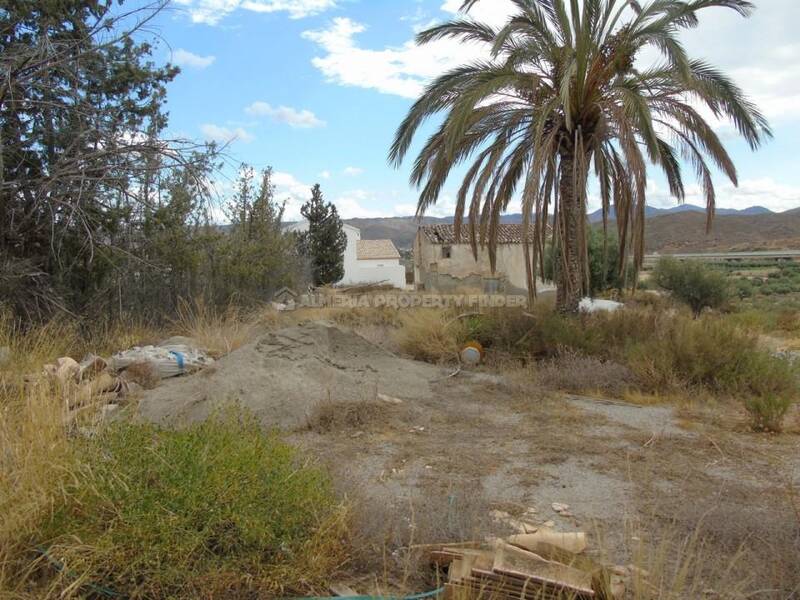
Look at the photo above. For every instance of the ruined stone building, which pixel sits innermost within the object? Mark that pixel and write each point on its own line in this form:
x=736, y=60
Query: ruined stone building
x=444, y=266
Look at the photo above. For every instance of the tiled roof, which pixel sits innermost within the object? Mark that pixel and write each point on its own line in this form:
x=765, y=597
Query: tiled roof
x=376, y=249
x=507, y=233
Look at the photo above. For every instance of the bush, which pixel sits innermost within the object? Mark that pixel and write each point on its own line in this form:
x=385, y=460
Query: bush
x=692, y=282
x=788, y=320
x=604, y=268
x=572, y=372
x=218, y=508
x=432, y=336
x=767, y=412
x=665, y=351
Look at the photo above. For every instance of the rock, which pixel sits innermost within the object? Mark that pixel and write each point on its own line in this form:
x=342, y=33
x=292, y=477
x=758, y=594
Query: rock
x=131, y=388
x=66, y=369
x=90, y=366
x=389, y=399
x=108, y=410
x=560, y=508
x=593, y=305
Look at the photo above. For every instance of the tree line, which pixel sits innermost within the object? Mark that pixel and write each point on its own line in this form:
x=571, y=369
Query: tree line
x=101, y=213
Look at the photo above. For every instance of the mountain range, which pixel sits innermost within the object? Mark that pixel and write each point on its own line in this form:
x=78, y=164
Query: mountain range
x=678, y=229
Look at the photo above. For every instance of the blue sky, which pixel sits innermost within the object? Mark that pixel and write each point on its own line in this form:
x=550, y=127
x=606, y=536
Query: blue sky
x=316, y=88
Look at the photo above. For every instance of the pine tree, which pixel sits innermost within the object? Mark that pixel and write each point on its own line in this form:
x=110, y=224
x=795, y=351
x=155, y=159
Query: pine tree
x=258, y=257
x=325, y=241
x=82, y=110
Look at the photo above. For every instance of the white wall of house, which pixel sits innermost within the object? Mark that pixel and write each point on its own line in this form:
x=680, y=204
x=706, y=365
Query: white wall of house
x=351, y=256
x=387, y=270
x=362, y=271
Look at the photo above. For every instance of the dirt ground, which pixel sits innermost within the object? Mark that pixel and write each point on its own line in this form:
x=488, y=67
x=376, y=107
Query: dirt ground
x=428, y=452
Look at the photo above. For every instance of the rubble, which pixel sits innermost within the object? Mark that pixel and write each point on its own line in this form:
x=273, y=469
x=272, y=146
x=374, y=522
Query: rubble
x=593, y=305
x=100, y=382
x=166, y=361
x=545, y=564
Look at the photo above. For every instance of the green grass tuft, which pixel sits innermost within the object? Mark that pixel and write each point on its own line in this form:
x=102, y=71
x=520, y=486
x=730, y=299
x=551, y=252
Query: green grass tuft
x=180, y=514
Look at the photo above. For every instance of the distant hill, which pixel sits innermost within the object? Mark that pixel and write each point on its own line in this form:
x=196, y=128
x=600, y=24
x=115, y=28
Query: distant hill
x=652, y=211
x=402, y=230
x=678, y=229
x=686, y=232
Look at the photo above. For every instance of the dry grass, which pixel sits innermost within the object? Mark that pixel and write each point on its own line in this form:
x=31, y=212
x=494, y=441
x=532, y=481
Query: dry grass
x=30, y=348
x=678, y=567
x=354, y=416
x=219, y=333
x=49, y=477
x=432, y=335
x=572, y=372
x=36, y=463
x=387, y=539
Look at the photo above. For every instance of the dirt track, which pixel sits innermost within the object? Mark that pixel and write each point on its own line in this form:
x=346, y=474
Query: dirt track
x=476, y=440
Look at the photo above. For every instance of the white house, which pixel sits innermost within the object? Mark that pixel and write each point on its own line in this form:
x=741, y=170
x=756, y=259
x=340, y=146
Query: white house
x=366, y=261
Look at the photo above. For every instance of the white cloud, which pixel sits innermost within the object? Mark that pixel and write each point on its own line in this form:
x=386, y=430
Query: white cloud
x=763, y=191
x=445, y=207
x=350, y=204
x=353, y=171
x=325, y=174
x=184, y=58
x=293, y=191
x=225, y=135
x=491, y=12
x=768, y=72
x=212, y=12
x=299, y=119
x=401, y=71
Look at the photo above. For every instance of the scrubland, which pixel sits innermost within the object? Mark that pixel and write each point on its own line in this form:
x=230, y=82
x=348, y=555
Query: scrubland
x=92, y=508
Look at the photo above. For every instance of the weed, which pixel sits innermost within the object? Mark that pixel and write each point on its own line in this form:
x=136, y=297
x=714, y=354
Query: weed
x=37, y=461
x=658, y=351
x=218, y=508
x=219, y=333
x=573, y=372
x=767, y=411
x=346, y=416
x=432, y=336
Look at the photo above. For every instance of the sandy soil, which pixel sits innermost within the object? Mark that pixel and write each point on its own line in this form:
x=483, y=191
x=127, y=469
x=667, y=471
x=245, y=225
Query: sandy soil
x=480, y=440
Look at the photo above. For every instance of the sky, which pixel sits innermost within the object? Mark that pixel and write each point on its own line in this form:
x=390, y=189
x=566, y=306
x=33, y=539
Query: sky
x=317, y=88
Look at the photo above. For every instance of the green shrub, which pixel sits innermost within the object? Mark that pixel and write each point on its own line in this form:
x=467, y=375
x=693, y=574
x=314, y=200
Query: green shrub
x=666, y=351
x=218, y=508
x=713, y=354
x=604, y=267
x=744, y=288
x=767, y=412
x=692, y=282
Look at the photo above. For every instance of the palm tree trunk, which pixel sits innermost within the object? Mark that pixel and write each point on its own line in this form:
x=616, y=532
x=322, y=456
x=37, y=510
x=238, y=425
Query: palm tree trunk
x=569, y=286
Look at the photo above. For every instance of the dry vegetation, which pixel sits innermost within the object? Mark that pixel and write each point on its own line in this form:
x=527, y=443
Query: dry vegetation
x=61, y=486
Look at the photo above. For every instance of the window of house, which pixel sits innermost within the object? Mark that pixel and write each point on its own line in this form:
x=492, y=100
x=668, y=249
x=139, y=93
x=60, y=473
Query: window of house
x=447, y=251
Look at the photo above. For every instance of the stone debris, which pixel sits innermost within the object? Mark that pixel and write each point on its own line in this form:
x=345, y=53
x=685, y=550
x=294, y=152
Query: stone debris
x=545, y=564
x=102, y=383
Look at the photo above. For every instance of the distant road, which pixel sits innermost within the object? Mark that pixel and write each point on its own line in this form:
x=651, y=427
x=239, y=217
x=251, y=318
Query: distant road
x=758, y=256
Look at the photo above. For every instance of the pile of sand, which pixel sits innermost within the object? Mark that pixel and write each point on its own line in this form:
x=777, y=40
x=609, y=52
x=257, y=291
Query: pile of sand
x=284, y=375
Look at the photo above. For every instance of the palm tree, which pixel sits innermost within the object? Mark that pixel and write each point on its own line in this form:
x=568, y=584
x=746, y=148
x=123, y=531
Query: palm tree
x=561, y=94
